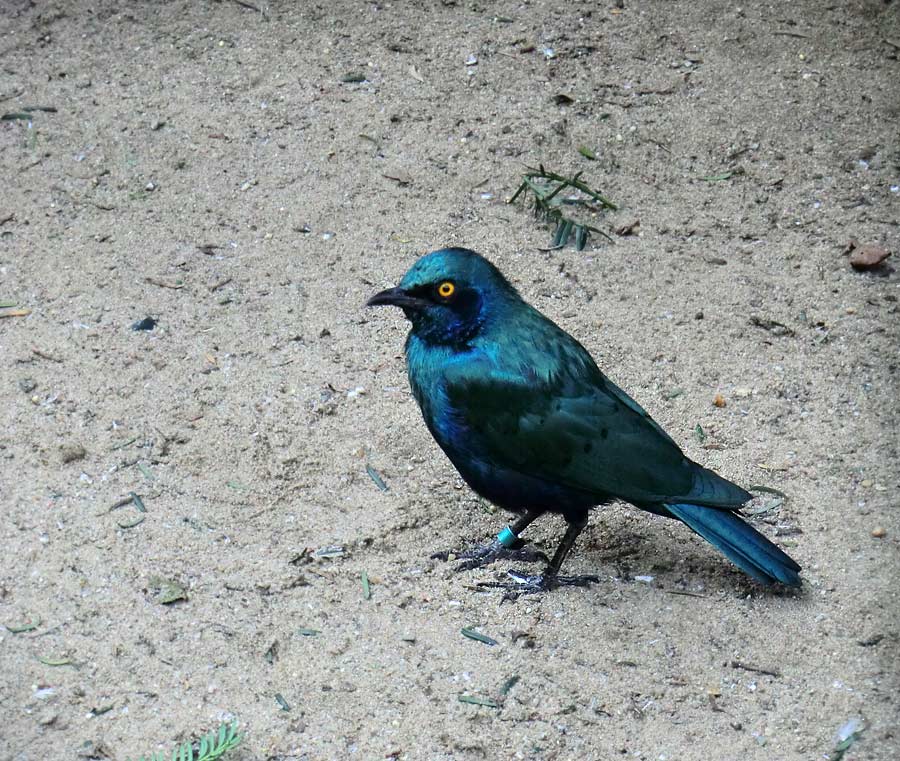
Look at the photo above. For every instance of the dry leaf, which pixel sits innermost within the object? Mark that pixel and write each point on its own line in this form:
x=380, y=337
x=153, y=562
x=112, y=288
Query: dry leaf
x=868, y=257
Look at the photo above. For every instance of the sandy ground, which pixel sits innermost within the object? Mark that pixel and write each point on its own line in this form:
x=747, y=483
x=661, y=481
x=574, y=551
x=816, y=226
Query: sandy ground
x=208, y=165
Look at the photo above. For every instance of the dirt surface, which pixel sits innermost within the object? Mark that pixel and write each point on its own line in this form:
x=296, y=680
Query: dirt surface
x=247, y=174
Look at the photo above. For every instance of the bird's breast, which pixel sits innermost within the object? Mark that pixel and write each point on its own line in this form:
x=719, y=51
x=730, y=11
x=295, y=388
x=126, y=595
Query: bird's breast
x=459, y=435
x=427, y=367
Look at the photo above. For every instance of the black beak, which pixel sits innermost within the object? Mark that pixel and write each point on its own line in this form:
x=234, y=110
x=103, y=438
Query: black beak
x=396, y=297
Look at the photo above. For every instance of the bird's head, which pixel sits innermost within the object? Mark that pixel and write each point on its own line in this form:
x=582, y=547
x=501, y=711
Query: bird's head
x=449, y=295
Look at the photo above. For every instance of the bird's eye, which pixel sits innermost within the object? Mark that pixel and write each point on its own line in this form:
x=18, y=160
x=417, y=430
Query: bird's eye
x=446, y=289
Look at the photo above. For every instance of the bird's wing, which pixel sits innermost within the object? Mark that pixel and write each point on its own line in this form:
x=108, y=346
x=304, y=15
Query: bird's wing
x=572, y=427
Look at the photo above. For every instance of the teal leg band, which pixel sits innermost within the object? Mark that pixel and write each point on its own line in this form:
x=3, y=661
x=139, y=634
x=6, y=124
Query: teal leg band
x=506, y=537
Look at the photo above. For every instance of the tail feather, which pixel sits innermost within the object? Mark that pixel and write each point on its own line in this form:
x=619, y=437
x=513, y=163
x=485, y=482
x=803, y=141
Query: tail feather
x=740, y=543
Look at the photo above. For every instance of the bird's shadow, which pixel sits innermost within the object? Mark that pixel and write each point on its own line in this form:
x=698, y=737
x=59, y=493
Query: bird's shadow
x=649, y=549
x=635, y=548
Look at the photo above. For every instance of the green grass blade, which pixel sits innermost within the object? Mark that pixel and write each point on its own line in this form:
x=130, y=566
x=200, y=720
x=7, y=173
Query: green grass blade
x=581, y=236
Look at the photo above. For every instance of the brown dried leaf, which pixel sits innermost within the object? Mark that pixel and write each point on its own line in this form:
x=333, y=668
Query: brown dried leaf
x=868, y=257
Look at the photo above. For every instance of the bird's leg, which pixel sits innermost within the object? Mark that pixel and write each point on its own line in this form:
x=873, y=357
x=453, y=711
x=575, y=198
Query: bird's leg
x=524, y=584
x=507, y=545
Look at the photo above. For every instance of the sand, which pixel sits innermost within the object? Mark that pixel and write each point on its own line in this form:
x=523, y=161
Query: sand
x=247, y=174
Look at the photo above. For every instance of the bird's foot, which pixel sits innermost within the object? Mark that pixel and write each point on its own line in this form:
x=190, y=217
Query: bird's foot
x=529, y=584
x=481, y=556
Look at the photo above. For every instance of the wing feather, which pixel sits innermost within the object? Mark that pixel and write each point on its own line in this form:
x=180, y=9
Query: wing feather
x=576, y=429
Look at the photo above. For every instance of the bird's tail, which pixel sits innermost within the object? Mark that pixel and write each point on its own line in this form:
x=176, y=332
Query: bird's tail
x=741, y=543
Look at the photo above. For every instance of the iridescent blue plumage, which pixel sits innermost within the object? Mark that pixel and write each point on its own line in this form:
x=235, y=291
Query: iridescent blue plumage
x=533, y=425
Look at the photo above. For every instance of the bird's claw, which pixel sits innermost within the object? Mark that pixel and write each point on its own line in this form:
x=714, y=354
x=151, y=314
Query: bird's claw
x=530, y=584
x=481, y=556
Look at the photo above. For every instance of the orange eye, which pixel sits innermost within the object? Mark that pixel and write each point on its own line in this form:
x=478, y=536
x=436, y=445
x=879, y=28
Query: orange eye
x=446, y=289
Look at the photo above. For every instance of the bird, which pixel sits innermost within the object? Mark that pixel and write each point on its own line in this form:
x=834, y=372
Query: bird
x=533, y=425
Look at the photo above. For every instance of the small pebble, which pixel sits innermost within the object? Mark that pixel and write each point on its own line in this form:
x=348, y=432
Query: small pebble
x=719, y=400
x=46, y=719
x=72, y=452
x=148, y=323
x=879, y=531
x=851, y=727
